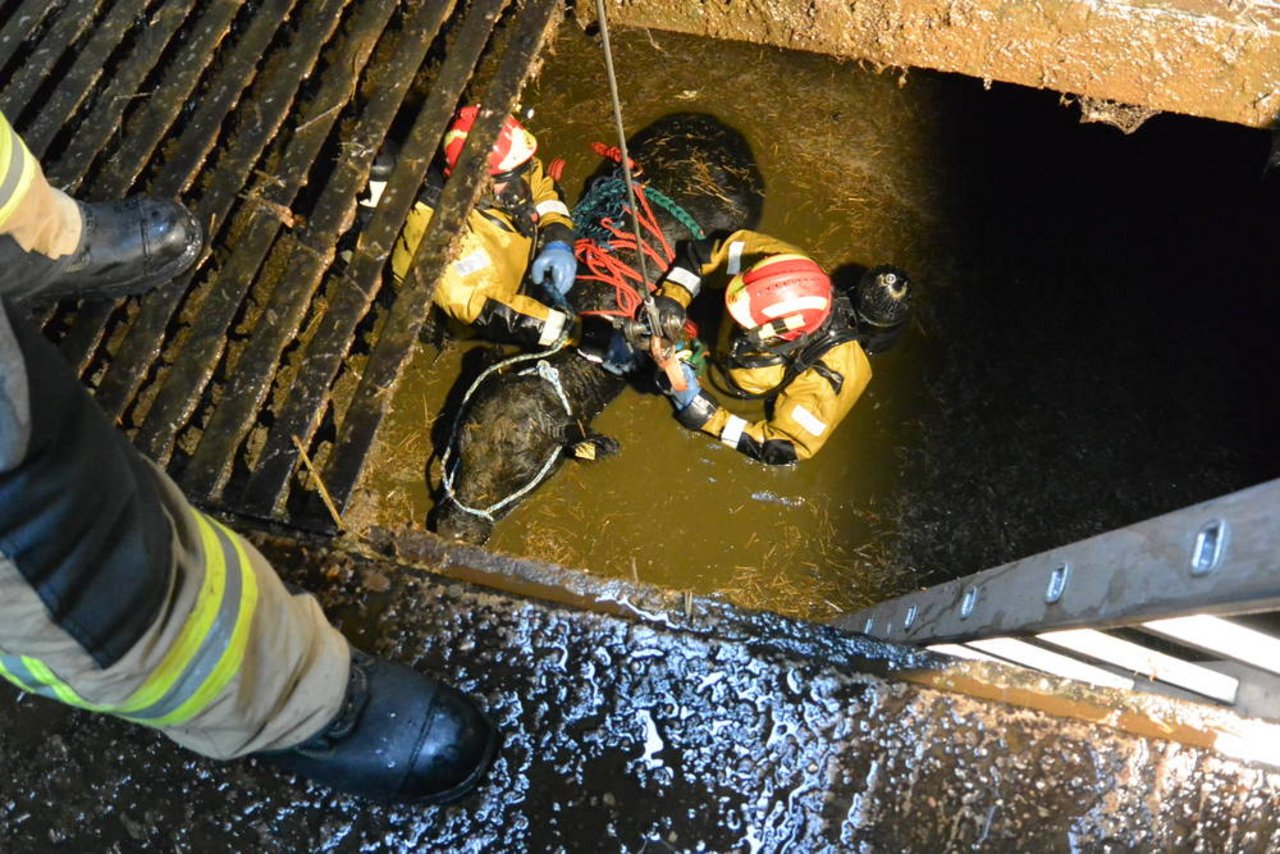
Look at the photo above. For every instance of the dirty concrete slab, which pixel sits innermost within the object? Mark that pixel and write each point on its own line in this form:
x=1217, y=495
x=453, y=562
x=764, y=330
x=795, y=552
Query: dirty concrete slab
x=653, y=731
x=1125, y=60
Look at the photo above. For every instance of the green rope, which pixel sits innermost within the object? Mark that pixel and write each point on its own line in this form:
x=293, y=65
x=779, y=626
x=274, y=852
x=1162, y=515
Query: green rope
x=669, y=205
x=606, y=199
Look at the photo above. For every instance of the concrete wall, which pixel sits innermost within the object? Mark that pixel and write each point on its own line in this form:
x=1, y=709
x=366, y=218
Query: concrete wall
x=1218, y=59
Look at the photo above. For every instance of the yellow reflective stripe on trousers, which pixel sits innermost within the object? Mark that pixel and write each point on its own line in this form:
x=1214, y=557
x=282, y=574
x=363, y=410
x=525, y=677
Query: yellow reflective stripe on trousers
x=31, y=674
x=222, y=653
x=17, y=169
x=207, y=655
x=12, y=668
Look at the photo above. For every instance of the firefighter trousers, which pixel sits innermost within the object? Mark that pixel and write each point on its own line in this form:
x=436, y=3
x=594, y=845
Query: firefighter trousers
x=116, y=595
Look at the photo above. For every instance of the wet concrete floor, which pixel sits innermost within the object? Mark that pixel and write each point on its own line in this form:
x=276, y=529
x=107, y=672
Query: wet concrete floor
x=654, y=730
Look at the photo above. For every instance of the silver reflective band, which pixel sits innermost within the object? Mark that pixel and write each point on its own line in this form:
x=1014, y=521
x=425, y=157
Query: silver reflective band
x=551, y=328
x=806, y=419
x=13, y=177
x=686, y=279
x=732, y=431
x=734, y=265
x=552, y=206
x=215, y=643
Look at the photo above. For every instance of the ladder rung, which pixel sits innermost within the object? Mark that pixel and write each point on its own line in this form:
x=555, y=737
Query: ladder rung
x=1156, y=666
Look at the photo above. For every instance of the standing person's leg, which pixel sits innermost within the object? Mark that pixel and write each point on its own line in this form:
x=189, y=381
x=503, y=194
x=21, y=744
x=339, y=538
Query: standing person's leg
x=52, y=246
x=117, y=596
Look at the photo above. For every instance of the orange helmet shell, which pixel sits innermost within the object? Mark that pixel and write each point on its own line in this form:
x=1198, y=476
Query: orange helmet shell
x=513, y=148
x=788, y=292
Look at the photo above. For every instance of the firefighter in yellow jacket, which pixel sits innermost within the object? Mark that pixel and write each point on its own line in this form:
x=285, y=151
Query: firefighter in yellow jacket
x=792, y=340
x=521, y=224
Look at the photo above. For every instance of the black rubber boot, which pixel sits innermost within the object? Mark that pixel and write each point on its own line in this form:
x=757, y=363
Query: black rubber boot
x=127, y=247
x=400, y=736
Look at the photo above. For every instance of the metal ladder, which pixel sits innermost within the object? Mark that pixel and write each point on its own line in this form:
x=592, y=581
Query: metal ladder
x=1186, y=604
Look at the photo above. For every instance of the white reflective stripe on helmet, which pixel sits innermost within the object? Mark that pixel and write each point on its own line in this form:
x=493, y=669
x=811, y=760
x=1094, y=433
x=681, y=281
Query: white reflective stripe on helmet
x=552, y=206
x=734, y=265
x=732, y=431
x=795, y=306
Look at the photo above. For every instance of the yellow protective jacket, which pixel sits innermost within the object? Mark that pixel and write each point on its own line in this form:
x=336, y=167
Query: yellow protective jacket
x=482, y=287
x=807, y=396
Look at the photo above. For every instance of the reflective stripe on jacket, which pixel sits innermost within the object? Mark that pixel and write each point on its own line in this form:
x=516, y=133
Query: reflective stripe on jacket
x=803, y=414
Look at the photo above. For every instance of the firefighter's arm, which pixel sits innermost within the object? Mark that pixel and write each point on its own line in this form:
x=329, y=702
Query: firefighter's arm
x=803, y=415
x=555, y=235
x=481, y=290
x=699, y=259
x=501, y=316
x=554, y=222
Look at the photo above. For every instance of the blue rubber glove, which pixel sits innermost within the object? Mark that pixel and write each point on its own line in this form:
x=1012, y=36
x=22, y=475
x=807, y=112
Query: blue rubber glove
x=692, y=388
x=556, y=257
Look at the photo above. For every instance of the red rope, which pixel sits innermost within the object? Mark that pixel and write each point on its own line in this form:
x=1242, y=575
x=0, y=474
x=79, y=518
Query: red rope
x=602, y=263
x=614, y=153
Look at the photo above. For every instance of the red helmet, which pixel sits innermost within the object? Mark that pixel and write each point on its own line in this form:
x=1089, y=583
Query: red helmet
x=784, y=297
x=513, y=148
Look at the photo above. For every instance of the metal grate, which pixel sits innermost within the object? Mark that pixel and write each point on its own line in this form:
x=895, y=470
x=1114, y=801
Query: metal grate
x=265, y=117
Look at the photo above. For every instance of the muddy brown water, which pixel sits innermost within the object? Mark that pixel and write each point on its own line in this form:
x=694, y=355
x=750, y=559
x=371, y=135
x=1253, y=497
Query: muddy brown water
x=1067, y=372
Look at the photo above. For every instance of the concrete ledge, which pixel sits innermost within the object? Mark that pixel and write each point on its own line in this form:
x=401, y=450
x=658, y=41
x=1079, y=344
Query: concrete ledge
x=1209, y=58
x=687, y=727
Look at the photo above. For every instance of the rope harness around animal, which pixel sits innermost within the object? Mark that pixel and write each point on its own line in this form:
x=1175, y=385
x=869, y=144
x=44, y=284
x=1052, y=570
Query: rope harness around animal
x=548, y=372
x=599, y=260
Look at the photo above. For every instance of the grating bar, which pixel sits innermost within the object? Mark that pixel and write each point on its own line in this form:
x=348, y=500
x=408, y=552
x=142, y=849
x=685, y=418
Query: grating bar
x=91, y=59
x=267, y=203
x=399, y=336
x=144, y=131
x=198, y=137
x=21, y=24
x=20, y=91
x=143, y=134
x=283, y=74
x=123, y=89
x=208, y=471
x=351, y=294
x=201, y=131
